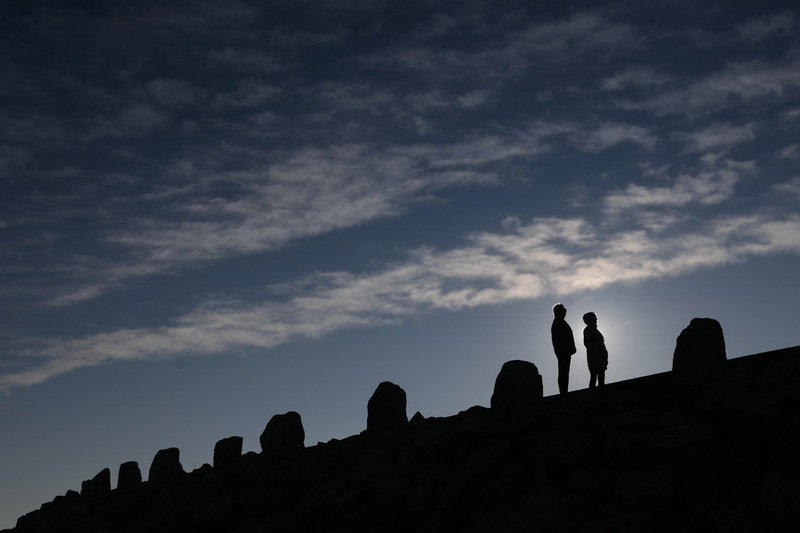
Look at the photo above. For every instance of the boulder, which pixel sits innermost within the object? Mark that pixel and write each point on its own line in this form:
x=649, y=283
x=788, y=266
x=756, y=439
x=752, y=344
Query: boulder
x=721, y=476
x=98, y=486
x=129, y=475
x=166, y=465
x=517, y=389
x=546, y=507
x=650, y=486
x=227, y=451
x=386, y=409
x=699, y=358
x=283, y=435
x=780, y=496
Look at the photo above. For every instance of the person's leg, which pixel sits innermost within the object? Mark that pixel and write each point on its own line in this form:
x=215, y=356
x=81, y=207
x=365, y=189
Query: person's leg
x=563, y=374
x=592, y=378
x=601, y=377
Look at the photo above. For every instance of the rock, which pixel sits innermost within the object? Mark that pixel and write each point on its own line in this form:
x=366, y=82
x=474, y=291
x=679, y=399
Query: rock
x=632, y=457
x=227, y=451
x=283, y=435
x=589, y=488
x=546, y=507
x=721, y=476
x=699, y=358
x=780, y=496
x=517, y=389
x=783, y=377
x=166, y=465
x=501, y=518
x=98, y=486
x=650, y=520
x=651, y=486
x=740, y=379
x=386, y=409
x=373, y=467
x=676, y=434
x=129, y=475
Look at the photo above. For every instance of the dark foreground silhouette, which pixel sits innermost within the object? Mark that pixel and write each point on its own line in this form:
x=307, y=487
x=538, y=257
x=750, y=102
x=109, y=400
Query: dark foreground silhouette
x=596, y=352
x=563, y=345
x=713, y=445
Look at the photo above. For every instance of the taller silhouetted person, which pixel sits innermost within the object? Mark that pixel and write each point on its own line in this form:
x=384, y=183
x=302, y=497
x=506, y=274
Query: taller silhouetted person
x=563, y=345
x=596, y=352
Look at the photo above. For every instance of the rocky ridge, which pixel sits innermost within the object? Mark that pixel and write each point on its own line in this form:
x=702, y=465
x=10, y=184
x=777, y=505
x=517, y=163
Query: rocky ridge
x=713, y=445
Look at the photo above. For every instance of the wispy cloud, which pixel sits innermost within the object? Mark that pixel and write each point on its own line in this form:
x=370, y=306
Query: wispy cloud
x=718, y=136
x=712, y=184
x=790, y=188
x=312, y=191
x=581, y=33
x=737, y=83
x=248, y=94
x=636, y=78
x=174, y=92
x=546, y=44
x=220, y=133
x=775, y=25
x=610, y=134
x=543, y=257
x=790, y=152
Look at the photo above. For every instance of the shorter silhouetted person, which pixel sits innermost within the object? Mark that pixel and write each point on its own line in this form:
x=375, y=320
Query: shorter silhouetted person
x=563, y=345
x=596, y=353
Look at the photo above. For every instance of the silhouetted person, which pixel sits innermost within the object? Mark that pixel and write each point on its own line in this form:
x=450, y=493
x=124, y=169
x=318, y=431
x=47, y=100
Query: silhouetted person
x=596, y=353
x=563, y=345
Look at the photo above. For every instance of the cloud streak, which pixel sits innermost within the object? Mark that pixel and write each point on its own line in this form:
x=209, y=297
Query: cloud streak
x=544, y=257
x=712, y=184
x=737, y=83
x=314, y=191
x=213, y=138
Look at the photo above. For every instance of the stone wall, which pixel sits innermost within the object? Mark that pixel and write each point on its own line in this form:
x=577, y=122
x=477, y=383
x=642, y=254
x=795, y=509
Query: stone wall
x=646, y=454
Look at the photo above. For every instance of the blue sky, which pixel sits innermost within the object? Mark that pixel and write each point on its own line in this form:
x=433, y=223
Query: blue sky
x=213, y=212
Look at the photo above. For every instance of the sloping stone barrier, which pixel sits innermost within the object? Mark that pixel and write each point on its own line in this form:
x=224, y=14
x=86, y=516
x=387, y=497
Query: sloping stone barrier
x=631, y=456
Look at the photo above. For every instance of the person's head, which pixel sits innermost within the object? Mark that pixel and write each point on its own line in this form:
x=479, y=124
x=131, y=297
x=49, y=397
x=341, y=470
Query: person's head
x=559, y=311
x=590, y=319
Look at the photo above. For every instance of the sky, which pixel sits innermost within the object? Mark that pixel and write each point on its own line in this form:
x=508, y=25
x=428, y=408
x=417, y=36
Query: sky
x=215, y=212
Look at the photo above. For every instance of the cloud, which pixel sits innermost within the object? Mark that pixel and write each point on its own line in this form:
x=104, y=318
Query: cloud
x=241, y=136
x=349, y=96
x=308, y=192
x=248, y=94
x=769, y=27
x=31, y=128
x=174, y=92
x=473, y=99
x=790, y=117
x=437, y=100
x=790, y=188
x=250, y=60
x=718, y=136
x=737, y=83
x=590, y=136
x=711, y=185
x=610, y=134
x=546, y=256
x=546, y=44
x=636, y=79
x=133, y=120
x=581, y=33
x=201, y=213
x=790, y=152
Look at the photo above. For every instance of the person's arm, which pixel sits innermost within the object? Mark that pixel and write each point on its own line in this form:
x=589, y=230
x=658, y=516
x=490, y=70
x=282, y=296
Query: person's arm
x=563, y=341
x=592, y=341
